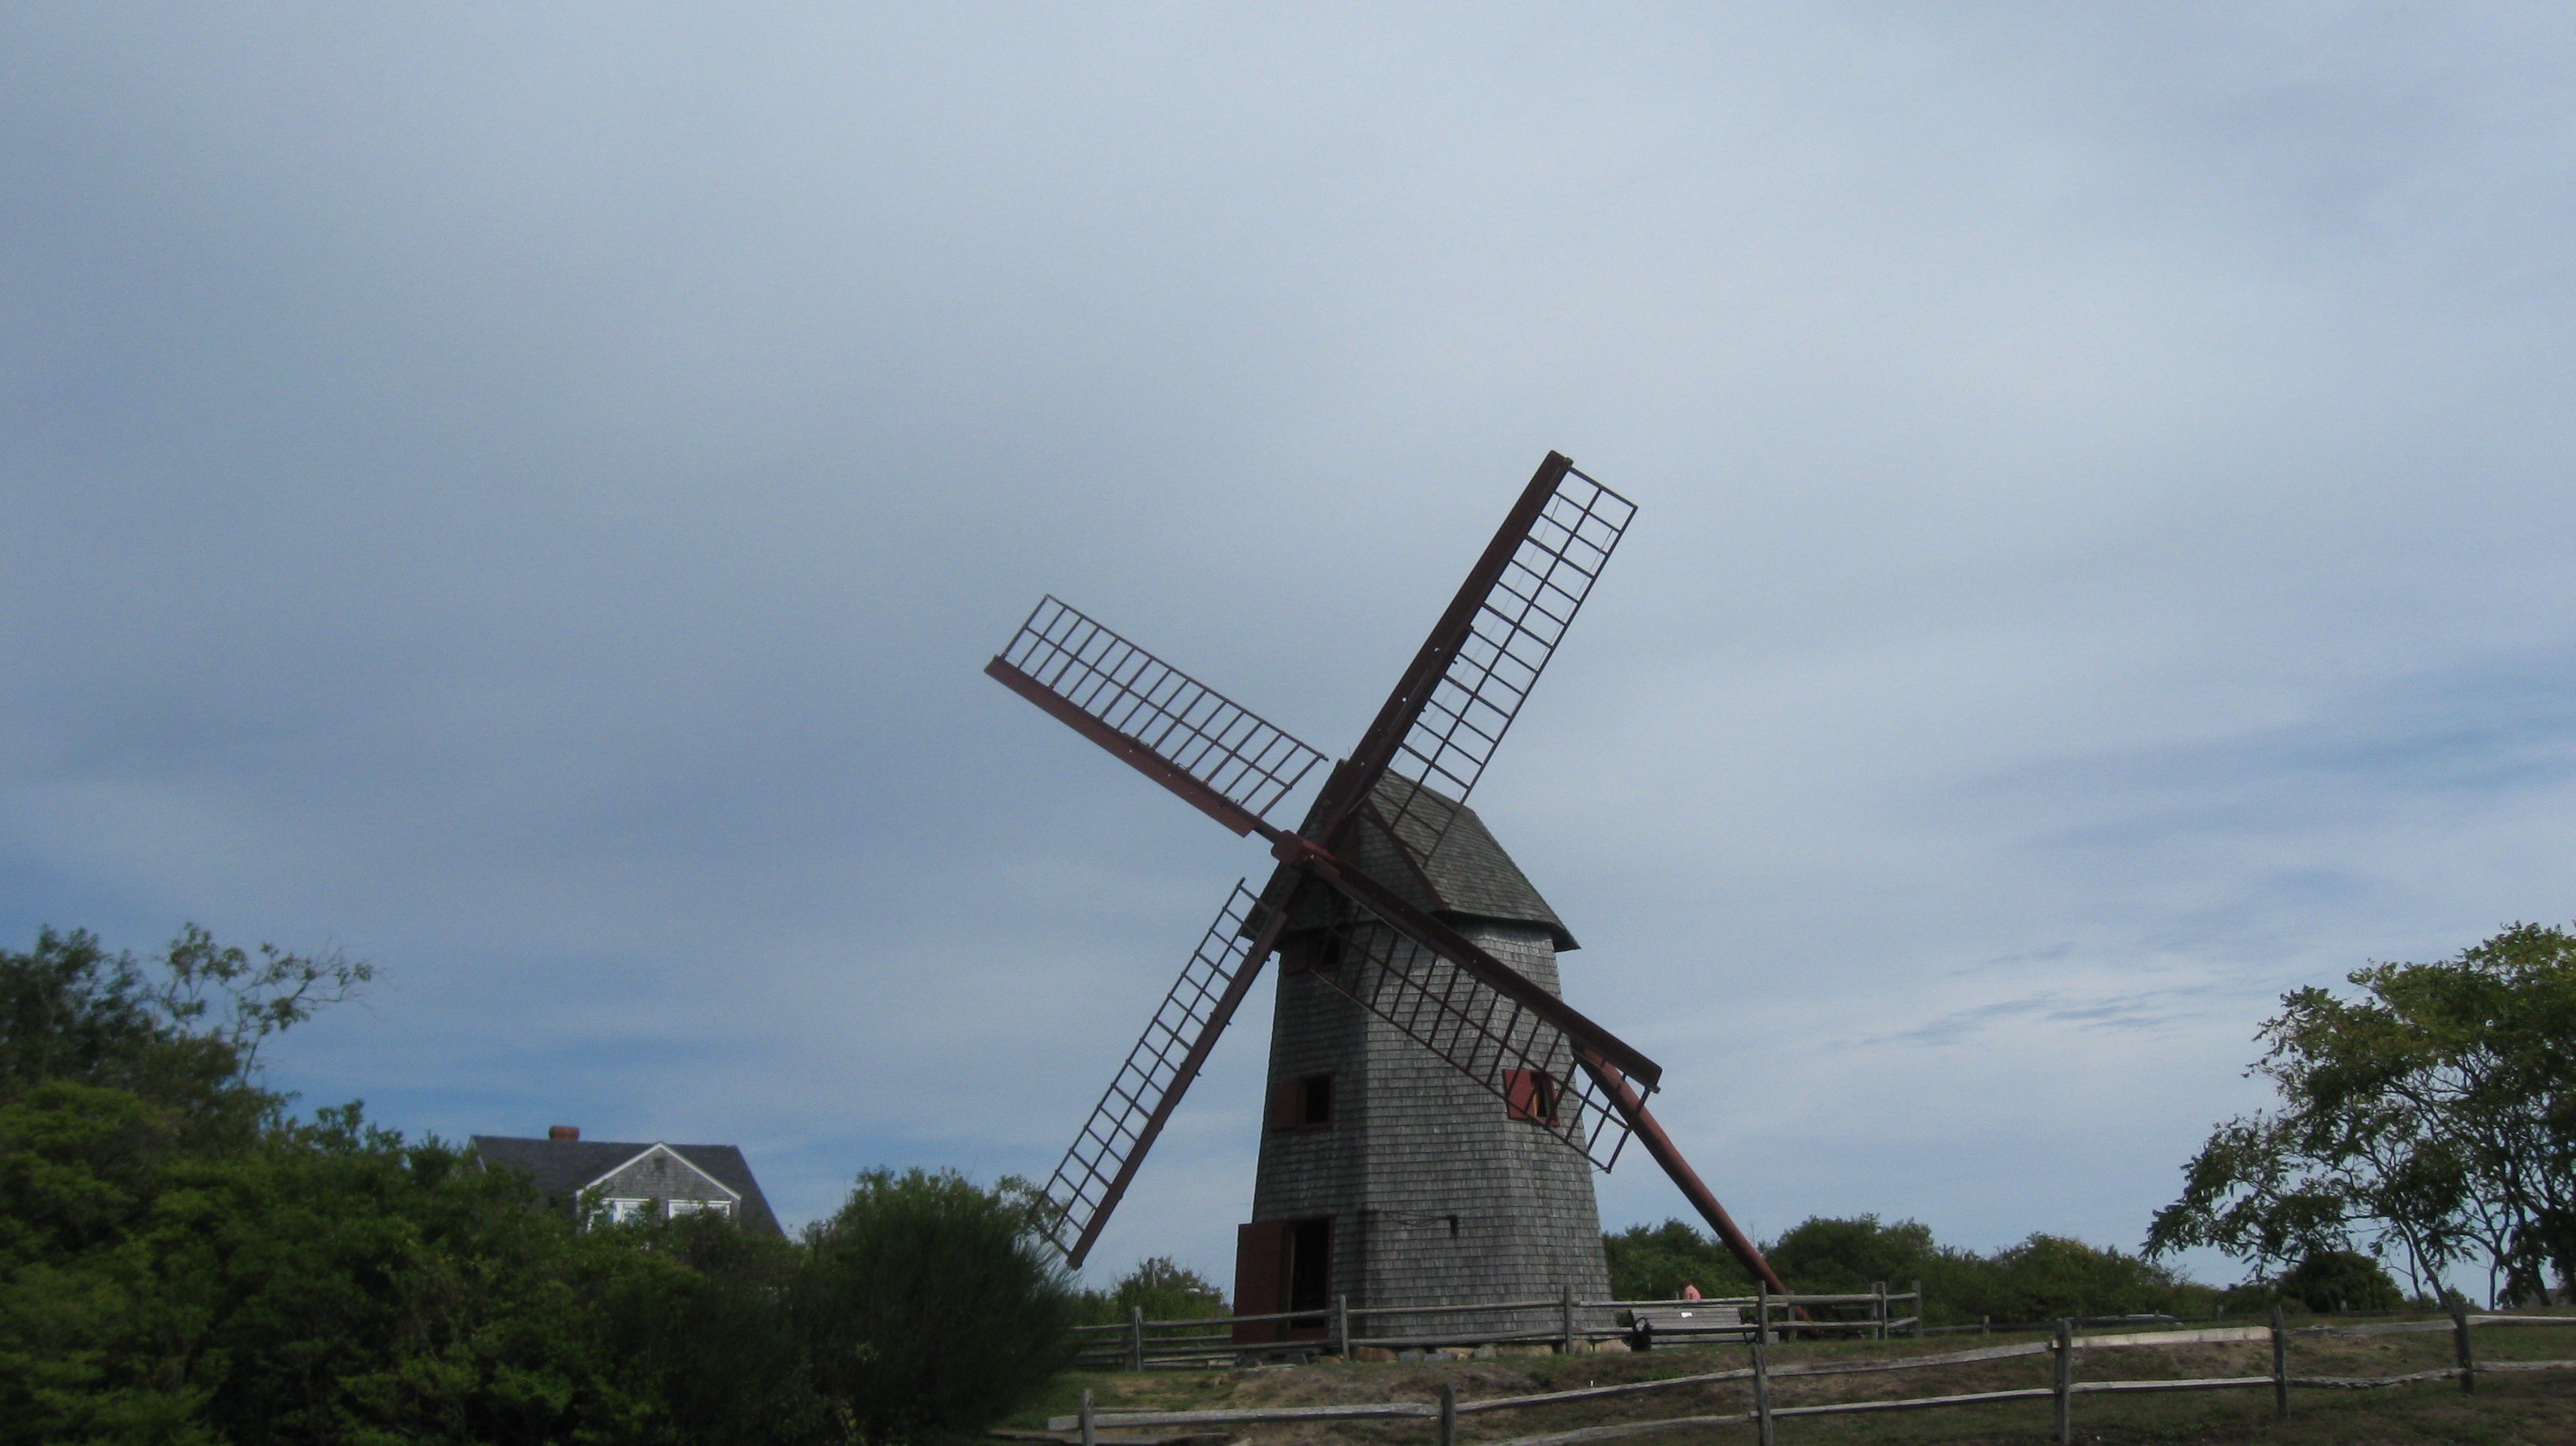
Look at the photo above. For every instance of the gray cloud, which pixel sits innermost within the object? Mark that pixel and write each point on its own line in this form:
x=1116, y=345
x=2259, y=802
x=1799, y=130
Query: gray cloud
x=525, y=496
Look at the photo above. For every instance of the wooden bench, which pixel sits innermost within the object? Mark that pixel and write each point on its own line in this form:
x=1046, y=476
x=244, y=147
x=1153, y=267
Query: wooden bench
x=1686, y=1323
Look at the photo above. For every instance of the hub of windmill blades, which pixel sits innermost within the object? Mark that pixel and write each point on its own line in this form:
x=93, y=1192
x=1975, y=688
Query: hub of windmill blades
x=1390, y=807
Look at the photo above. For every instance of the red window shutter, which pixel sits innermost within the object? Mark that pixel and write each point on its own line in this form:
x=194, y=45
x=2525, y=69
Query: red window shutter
x=1521, y=1093
x=1259, y=1258
x=1283, y=1105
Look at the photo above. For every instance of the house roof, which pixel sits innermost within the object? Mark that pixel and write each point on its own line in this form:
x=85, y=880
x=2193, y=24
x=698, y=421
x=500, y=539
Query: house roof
x=562, y=1169
x=1468, y=877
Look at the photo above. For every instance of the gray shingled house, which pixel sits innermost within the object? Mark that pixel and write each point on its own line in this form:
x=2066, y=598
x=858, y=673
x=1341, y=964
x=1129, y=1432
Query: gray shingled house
x=634, y=1179
x=1386, y=1175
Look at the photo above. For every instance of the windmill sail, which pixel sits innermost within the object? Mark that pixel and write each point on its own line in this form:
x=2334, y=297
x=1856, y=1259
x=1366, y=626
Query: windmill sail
x=1181, y=733
x=1490, y=1038
x=1095, y=1172
x=1441, y=725
x=1373, y=873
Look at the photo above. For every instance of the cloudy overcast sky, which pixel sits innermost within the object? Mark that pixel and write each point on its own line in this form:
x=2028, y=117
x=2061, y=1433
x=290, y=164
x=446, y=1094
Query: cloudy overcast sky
x=523, y=495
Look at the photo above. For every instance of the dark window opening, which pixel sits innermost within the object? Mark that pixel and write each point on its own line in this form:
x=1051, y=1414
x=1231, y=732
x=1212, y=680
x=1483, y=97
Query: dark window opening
x=1302, y=1102
x=1315, y=1101
x=1319, y=952
x=1530, y=1094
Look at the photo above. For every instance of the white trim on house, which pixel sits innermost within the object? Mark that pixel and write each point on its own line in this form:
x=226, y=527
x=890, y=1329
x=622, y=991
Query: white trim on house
x=730, y=1193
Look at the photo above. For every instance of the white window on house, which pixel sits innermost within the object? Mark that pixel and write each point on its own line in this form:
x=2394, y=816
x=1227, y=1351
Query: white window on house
x=692, y=1207
x=619, y=1209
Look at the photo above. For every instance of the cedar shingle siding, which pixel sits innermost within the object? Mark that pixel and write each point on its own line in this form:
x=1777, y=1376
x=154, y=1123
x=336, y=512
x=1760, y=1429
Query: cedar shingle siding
x=1438, y=1196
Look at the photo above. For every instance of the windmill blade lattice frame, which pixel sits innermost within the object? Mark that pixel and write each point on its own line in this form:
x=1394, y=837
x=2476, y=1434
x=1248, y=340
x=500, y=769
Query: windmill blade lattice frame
x=1509, y=639
x=1220, y=756
x=1095, y=1171
x=1492, y=1040
x=1447, y=714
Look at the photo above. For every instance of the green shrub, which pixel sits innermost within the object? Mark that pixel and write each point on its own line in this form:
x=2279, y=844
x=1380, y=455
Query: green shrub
x=2042, y=1278
x=325, y=1283
x=1836, y=1257
x=928, y=1308
x=1162, y=1288
x=1654, y=1263
x=2048, y=1276
x=2332, y=1280
x=704, y=1339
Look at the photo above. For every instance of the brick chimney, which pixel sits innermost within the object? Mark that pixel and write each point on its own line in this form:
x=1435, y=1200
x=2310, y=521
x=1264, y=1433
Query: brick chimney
x=563, y=1132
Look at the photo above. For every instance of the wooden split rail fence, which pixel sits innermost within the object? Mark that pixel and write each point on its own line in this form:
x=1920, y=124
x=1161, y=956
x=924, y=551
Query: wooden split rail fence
x=1448, y=1409
x=1138, y=1343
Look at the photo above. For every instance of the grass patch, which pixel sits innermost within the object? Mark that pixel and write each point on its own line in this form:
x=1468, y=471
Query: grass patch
x=2536, y=1407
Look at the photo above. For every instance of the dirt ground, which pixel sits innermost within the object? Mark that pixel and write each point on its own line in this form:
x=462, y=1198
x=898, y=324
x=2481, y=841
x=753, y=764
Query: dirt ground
x=2533, y=1407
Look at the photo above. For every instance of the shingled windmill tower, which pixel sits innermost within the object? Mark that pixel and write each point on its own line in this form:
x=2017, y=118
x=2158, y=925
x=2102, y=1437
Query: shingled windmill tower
x=1434, y=1104
x=1387, y=1175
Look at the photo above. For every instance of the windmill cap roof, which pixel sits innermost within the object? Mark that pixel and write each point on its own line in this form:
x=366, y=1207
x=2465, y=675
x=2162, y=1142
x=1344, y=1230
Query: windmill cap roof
x=1467, y=877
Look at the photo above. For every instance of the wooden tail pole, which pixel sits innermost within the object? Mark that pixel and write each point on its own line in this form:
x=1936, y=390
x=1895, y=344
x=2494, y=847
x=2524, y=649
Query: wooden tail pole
x=1641, y=1123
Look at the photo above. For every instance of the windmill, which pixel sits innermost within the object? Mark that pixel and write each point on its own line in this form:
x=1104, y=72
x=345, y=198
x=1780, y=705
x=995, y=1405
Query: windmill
x=1417, y=964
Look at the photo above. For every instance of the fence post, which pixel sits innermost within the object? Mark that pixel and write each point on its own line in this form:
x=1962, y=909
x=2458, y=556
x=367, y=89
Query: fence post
x=1090, y=1429
x=1919, y=1312
x=2280, y=1364
x=1878, y=1309
x=2460, y=1342
x=1135, y=1338
x=1448, y=1413
x=1342, y=1327
x=1565, y=1320
x=2065, y=1381
x=1762, y=1367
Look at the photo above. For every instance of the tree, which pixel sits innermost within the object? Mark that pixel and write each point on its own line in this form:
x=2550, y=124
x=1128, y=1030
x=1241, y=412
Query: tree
x=1840, y=1256
x=2042, y=1277
x=1163, y=1289
x=182, y=1260
x=186, y=1036
x=2047, y=1276
x=2433, y=1118
x=1655, y=1262
x=2341, y=1280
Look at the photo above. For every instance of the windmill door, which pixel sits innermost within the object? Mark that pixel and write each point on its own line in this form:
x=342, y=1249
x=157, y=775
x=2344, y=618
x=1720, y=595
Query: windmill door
x=1282, y=1266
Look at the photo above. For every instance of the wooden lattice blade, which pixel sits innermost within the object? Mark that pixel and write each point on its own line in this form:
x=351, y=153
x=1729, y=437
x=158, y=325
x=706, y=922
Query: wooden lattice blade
x=1486, y=1036
x=1449, y=711
x=1405, y=917
x=1104, y=1157
x=1186, y=736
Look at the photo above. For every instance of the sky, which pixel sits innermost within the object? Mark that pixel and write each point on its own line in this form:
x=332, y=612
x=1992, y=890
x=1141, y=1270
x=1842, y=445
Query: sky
x=523, y=496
